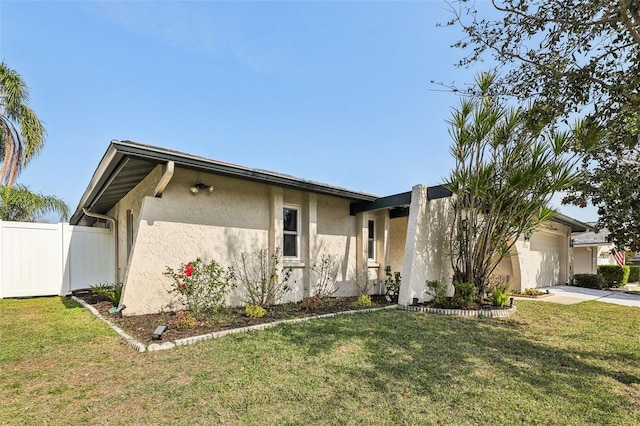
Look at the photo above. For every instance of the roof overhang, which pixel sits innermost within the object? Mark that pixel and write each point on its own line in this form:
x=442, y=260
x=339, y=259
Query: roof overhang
x=575, y=225
x=125, y=164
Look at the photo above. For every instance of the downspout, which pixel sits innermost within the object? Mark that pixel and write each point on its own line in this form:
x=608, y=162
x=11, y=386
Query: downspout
x=164, y=180
x=115, y=234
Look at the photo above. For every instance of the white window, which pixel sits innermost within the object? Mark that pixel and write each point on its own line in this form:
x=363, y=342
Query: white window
x=371, y=242
x=291, y=237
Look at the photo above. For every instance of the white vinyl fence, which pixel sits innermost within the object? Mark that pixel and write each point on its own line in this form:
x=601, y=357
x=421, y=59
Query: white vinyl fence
x=53, y=259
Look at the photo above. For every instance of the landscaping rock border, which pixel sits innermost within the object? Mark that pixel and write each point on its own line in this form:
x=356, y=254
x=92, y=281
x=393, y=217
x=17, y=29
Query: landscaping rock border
x=485, y=313
x=140, y=347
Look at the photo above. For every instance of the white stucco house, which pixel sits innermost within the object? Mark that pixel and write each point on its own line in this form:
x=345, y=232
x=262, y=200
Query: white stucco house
x=166, y=208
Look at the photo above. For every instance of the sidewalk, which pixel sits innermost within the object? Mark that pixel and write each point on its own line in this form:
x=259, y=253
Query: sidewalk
x=568, y=295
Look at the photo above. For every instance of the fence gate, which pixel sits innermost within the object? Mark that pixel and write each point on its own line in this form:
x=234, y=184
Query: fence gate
x=53, y=259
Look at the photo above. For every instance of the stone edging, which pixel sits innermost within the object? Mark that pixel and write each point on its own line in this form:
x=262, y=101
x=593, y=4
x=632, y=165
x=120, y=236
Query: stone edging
x=140, y=347
x=130, y=340
x=485, y=313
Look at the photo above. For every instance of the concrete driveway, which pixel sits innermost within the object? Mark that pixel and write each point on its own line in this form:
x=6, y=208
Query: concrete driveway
x=569, y=295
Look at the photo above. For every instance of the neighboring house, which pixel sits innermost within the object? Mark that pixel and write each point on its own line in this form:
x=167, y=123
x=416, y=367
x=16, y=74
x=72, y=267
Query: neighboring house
x=168, y=208
x=590, y=250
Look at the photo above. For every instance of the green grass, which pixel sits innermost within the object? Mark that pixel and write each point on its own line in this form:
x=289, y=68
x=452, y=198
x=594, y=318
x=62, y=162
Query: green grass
x=548, y=364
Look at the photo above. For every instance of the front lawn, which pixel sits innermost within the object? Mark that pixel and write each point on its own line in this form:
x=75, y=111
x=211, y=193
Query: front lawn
x=547, y=364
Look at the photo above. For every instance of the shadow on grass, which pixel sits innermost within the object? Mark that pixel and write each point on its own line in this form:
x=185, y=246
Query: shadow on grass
x=69, y=303
x=433, y=354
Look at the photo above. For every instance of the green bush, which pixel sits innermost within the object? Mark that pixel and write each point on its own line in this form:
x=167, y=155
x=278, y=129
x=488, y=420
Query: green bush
x=634, y=274
x=111, y=292
x=588, y=281
x=438, y=290
x=364, y=300
x=464, y=296
x=613, y=275
x=254, y=311
x=201, y=287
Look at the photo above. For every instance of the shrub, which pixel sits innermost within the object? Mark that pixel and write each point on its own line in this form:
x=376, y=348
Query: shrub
x=185, y=319
x=254, y=311
x=634, y=274
x=464, y=296
x=392, y=282
x=613, y=275
x=588, y=281
x=499, y=296
x=438, y=290
x=363, y=300
x=311, y=303
x=111, y=292
x=201, y=287
x=261, y=277
x=325, y=272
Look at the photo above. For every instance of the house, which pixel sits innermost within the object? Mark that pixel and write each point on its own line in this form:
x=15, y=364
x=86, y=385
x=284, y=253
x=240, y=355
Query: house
x=590, y=250
x=167, y=207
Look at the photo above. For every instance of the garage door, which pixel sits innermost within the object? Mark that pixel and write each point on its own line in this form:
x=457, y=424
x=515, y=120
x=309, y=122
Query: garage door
x=548, y=259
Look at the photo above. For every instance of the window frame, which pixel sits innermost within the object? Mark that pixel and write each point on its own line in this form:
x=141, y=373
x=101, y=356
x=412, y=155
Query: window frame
x=371, y=240
x=297, y=232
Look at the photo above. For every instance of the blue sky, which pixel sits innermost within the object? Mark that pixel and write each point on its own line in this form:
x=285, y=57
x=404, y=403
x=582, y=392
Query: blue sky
x=336, y=92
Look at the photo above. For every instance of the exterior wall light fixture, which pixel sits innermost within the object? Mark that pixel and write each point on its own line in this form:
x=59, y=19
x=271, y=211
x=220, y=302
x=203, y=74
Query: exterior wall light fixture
x=200, y=187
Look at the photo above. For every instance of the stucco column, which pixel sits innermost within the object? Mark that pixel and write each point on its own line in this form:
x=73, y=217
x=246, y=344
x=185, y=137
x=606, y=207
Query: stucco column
x=426, y=253
x=309, y=240
x=362, y=233
x=276, y=221
x=520, y=264
x=414, y=268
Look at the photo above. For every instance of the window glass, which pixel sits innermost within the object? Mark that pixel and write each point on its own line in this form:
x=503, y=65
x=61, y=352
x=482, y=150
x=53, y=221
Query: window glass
x=371, y=246
x=290, y=237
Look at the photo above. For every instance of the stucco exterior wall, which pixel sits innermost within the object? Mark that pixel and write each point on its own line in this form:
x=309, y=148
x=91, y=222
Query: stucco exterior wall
x=585, y=260
x=336, y=236
x=182, y=226
x=397, y=240
x=238, y=216
x=133, y=202
x=426, y=249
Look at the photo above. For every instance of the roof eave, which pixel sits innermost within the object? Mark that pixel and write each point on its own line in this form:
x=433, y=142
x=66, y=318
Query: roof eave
x=118, y=150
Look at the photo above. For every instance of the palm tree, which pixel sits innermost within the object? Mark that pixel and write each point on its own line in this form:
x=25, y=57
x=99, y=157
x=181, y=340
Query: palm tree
x=18, y=203
x=21, y=132
x=506, y=172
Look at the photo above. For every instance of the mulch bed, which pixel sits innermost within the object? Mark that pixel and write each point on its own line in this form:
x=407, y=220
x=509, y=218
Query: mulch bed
x=141, y=327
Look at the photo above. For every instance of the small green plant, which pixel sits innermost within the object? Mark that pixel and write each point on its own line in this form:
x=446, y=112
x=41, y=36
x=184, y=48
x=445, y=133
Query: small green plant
x=392, y=282
x=185, y=320
x=311, y=303
x=363, y=300
x=500, y=289
x=111, y=292
x=201, y=287
x=464, y=296
x=254, y=311
x=438, y=291
x=634, y=274
x=499, y=296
